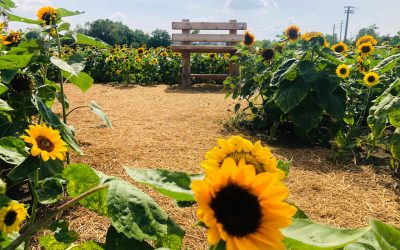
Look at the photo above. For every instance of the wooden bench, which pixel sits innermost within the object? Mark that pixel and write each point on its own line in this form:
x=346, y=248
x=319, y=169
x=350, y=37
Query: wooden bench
x=206, y=43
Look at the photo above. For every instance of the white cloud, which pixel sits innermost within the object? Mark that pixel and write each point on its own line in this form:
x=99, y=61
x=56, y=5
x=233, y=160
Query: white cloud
x=118, y=16
x=27, y=6
x=249, y=4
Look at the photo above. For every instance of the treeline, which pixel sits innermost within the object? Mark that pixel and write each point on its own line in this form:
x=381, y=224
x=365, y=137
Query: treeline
x=115, y=33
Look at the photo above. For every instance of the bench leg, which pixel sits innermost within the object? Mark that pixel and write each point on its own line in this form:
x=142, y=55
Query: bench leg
x=186, y=79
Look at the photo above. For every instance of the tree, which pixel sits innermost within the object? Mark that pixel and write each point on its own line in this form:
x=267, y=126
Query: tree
x=159, y=38
x=370, y=30
x=331, y=39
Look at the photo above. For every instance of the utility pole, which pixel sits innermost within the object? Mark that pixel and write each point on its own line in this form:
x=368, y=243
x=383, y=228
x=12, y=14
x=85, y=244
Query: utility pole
x=348, y=10
x=341, y=28
x=333, y=33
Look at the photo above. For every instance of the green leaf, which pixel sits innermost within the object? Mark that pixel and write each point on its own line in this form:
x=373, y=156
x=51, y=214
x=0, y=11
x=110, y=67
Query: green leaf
x=290, y=94
x=387, y=64
x=62, y=232
x=64, y=26
x=49, y=190
x=7, y=239
x=50, y=243
x=100, y=113
x=3, y=88
x=87, y=40
x=24, y=169
x=237, y=107
x=394, y=118
x=50, y=169
x=387, y=236
x=81, y=80
x=307, y=115
x=305, y=234
x=81, y=178
x=172, y=184
x=4, y=106
x=63, y=65
x=118, y=241
x=64, y=13
x=286, y=71
x=285, y=166
x=14, y=18
x=14, y=61
x=334, y=103
x=220, y=246
x=89, y=245
x=12, y=150
x=134, y=213
x=174, y=238
x=394, y=144
x=7, y=4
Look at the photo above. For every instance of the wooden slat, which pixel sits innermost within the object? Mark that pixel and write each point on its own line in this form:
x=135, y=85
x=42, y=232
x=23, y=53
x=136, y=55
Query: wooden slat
x=203, y=48
x=209, y=26
x=210, y=76
x=206, y=38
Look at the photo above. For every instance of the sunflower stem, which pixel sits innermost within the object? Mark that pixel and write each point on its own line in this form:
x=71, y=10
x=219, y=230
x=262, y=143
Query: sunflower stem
x=31, y=229
x=35, y=201
x=64, y=110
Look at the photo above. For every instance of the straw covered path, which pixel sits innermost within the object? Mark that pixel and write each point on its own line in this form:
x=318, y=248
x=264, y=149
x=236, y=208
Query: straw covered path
x=157, y=127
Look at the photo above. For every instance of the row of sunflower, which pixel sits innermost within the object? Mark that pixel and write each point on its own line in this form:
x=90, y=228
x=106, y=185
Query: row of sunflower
x=303, y=86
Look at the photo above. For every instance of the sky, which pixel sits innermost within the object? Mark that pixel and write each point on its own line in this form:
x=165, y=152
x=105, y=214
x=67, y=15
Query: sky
x=265, y=18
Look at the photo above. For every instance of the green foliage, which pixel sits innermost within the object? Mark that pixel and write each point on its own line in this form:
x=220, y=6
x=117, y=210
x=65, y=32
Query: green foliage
x=159, y=38
x=12, y=150
x=49, y=191
x=99, y=112
x=118, y=241
x=62, y=233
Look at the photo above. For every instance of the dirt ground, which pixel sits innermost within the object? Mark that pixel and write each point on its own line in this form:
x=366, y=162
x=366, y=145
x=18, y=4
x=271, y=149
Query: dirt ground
x=157, y=127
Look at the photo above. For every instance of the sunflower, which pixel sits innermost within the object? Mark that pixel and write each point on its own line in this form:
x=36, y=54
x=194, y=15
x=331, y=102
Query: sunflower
x=12, y=216
x=242, y=208
x=292, y=32
x=137, y=59
x=237, y=148
x=308, y=36
x=212, y=55
x=365, y=39
x=140, y=51
x=343, y=71
x=45, y=141
x=177, y=54
x=47, y=15
x=13, y=38
x=371, y=79
x=340, y=47
x=155, y=61
x=326, y=44
x=2, y=26
x=249, y=39
x=365, y=49
x=21, y=83
x=164, y=54
x=110, y=58
x=268, y=54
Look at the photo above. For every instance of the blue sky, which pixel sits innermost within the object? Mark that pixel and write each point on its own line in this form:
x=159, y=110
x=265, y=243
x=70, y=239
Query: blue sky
x=265, y=18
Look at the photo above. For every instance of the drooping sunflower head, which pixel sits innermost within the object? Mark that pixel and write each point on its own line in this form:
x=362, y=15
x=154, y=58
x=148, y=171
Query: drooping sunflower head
x=268, y=54
x=365, y=49
x=47, y=15
x=371, y=79
x=245, y=209
x=343, y=71
x=340, y=47
x=13, y=38
x=237, y=148
x=308, y=36
x=21, y=83
x=46, y=142
x=249, y=39
x=365, y=39
x=212, y=55
x=12, y=216
x=292, y=32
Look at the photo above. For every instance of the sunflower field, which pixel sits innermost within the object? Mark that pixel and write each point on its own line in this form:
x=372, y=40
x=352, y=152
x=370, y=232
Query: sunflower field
x=240, y=195
x=344, y=95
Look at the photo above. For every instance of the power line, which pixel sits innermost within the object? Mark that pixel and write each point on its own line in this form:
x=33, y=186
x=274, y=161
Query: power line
x=348, y=10
x=341, y=28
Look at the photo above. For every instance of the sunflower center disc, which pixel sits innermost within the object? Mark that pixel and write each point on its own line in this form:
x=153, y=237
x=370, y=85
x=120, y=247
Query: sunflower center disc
x=293, y=34
x=371, y=79
x=365, y=49
x=343, y=71
x=268, y=54
x=10, y=218
x=339, y=49
x=248, y=40
x=47, y=18
x=44, y=144
x=237, y=210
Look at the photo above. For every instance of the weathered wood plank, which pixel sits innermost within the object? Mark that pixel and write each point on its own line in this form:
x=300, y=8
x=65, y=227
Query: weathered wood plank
x=206, y=38
x=209, y=25
x=210, y=76
x=204, y=48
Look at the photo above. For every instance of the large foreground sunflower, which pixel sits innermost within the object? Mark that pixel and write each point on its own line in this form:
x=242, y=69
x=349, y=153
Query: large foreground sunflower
x=12, y=216
x=366, y=49
x=242, y=208
x=371, y=79
x=237, y=148
x=46, y=142
x=340, y=47
x=292, y=32
x=365, y=39
x=249, y=39
x=47, y=15
x=343, y=71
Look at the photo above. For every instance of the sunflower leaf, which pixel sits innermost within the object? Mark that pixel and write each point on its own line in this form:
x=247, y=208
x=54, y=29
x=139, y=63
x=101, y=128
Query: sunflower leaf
x=116, y=241
x=12, y=150
x=100, y=113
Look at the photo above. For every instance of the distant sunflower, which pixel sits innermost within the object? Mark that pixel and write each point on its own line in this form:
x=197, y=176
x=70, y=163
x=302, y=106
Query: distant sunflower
x=340, y=47
x=308, y=36
x=365, y=39
x=164, y=54
x=237, y=148
x=13, y=38
x=249, y=39
x=140, y=51
x=137, y=59
x=326, y=44
x=12, y=216
x=212, y=55
x=268, y=54
x=47, y=15
x=177, y=54
x=110, y=58
x=46, y=142
x=242, y=208
x=366, y=49
x=371, y=79
x=21, y=83
x=343, y=71
x=292, y=32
